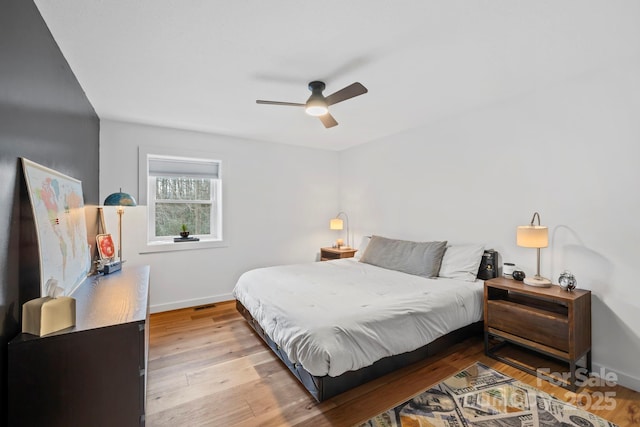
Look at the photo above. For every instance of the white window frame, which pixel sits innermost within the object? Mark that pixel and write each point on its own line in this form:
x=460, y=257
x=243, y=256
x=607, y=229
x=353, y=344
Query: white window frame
x=146, y=187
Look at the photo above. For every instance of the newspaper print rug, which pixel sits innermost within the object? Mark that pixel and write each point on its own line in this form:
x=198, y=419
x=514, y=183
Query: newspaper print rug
x=479, y=396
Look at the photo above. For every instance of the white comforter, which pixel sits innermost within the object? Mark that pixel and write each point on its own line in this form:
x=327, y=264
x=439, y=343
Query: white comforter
x=343, y=315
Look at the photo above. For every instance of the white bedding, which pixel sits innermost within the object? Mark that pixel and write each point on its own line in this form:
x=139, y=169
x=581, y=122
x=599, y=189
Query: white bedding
x=343, y=315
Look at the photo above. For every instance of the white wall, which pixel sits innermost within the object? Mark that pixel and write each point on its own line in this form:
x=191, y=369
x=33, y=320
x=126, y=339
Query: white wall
x=569, y=151
x=278, y=200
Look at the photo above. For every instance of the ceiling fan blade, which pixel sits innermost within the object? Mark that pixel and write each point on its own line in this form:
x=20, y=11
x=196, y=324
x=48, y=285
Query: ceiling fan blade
x=328, y=121
x=291, y=104
x=343, y=94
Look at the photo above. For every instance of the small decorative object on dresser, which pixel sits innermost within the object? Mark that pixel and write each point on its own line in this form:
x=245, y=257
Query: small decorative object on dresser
x=107, y=264
x=567, y=281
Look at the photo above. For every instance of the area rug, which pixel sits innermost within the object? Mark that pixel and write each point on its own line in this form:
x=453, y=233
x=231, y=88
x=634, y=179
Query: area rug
x=479, y=396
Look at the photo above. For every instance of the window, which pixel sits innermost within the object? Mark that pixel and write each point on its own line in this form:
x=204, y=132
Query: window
x=183, y=190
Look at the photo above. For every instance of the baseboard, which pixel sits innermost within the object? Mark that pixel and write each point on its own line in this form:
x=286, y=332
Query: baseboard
x=623, y=379
x=158, y=308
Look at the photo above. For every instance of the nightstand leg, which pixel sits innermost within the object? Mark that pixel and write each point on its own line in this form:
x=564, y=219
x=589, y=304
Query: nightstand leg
x=572, y=376
x=486, y=343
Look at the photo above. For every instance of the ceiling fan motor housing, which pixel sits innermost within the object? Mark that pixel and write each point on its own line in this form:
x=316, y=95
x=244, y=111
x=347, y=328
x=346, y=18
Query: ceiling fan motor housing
x=316, y=87
x=316, y=105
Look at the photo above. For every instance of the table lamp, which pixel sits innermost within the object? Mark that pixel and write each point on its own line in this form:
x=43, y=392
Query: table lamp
x=120, y=200
x=337, y=224
x=534, y=236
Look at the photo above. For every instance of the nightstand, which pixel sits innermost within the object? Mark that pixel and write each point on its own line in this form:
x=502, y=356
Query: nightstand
x=549, y=321
x=327, y=254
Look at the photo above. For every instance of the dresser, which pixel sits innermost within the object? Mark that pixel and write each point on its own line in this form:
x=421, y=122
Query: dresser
x=93, y=374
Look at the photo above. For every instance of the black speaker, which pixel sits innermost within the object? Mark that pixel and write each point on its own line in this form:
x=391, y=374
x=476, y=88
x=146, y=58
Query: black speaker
x=489, y=265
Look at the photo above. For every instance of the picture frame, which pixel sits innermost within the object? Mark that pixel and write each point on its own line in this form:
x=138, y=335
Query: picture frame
x=106, y=248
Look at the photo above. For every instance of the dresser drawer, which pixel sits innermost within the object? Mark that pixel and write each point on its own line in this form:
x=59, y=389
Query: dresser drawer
x=539, y=325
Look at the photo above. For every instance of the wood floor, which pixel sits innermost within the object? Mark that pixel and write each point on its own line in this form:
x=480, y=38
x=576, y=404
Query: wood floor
x=208, y=368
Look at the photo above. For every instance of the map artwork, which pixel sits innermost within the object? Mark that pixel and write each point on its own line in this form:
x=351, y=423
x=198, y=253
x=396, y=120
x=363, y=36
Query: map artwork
x=58, y=210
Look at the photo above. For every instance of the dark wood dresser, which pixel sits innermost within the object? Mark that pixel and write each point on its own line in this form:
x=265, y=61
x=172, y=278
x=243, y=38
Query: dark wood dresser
x=93, y=374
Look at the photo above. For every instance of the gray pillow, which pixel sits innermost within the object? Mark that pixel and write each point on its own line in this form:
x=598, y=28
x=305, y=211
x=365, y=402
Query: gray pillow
x=418, y=258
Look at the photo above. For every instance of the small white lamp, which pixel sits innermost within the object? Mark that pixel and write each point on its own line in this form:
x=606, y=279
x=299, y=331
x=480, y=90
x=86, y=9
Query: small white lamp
x=337, y=224
x=534, y=236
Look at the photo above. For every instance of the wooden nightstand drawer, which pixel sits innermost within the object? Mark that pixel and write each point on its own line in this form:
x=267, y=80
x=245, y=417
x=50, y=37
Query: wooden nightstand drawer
x=536, y=324
x=327, y=254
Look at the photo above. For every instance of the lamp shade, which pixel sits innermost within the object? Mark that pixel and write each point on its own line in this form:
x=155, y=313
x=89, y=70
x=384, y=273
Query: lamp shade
x=532, y=236
x=336, y=224
x=120, y=199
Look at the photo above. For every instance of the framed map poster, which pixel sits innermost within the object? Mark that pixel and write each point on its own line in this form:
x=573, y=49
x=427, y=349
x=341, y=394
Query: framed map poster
x=58, y=210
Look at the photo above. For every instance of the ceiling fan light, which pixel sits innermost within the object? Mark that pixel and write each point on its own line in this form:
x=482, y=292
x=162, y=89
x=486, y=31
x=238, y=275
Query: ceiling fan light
x=316, y=105
x=316, y=110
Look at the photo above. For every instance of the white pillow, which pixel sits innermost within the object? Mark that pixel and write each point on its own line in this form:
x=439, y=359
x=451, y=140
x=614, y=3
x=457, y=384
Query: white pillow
x=363, y=245
x=461, y=262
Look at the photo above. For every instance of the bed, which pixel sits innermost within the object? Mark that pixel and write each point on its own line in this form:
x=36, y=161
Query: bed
x=341, y=323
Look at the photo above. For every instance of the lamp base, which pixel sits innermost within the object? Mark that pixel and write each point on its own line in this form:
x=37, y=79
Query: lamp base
x=537, y=281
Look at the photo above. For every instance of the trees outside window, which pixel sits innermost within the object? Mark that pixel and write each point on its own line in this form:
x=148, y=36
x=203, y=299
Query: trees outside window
x=185, y=191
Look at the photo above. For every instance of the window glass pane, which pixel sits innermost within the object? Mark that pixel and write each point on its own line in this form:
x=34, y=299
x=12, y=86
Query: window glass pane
x=183, y=189
x=170, y=217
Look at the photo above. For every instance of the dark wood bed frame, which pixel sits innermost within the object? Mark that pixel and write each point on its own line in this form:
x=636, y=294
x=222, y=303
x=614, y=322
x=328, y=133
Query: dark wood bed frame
x=325, y=387
x=322, y=388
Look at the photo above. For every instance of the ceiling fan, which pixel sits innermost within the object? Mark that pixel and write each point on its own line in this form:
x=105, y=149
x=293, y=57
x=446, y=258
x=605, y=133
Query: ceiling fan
x=318, y=105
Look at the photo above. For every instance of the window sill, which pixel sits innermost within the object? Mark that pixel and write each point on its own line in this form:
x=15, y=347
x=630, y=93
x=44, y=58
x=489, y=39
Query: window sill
x=182, y=246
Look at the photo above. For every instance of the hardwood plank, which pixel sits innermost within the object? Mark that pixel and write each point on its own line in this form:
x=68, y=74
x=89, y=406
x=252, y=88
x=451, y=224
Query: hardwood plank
x=208, y=368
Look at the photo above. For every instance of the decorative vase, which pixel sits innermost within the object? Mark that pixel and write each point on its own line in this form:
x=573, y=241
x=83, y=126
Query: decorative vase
x=184, y=234
x=567, y=281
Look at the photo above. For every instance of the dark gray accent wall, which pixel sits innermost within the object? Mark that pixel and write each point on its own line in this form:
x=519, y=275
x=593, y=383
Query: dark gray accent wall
x=46, y=117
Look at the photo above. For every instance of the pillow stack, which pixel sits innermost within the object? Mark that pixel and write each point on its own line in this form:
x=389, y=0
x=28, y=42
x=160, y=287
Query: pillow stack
x=426, y=259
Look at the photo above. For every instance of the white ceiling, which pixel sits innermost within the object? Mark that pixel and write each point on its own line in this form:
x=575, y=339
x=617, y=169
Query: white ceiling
x=201, y=64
